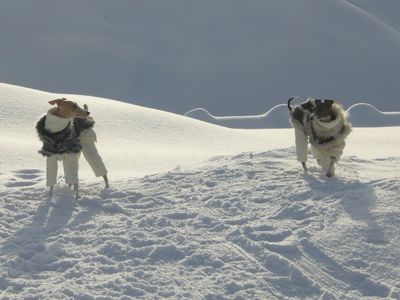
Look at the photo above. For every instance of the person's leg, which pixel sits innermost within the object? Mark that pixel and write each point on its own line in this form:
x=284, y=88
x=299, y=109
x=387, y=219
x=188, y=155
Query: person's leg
x=335, y=152
x=331, y=168
x=107, y=184
x=71, y=169
x=95, y=161
x=51, y=172
x=301, y=141
x=322, y=157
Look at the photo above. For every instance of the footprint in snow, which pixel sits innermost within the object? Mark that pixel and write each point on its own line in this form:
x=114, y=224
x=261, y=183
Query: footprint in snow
x=267, y=233
x=112, y=193
x=296, y=211
x=24, y=178
x=210, y=183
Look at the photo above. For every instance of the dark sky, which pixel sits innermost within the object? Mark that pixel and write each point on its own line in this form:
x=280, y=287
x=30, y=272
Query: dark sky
x=231, y=57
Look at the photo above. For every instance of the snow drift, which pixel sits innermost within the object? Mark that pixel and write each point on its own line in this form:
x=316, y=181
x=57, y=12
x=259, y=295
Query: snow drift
x=137, y=141
x=249, y=225
x=134, y=140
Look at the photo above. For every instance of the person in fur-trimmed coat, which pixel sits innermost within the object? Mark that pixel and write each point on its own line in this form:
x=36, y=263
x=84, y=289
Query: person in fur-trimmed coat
x=325, y=126
x=60, y=142
x=88, y=138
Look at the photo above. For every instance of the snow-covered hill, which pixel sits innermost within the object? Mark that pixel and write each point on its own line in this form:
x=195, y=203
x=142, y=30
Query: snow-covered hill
x=383, y=12
x=195, y=211
x=232, y=57
x=134, y=140
x=137, y=141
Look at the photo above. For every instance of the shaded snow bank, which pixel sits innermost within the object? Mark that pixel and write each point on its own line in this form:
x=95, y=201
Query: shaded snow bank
x=367, y=115
x=204, y=53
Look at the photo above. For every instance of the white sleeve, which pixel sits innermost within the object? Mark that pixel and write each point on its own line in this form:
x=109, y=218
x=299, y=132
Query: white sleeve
x=88, y=135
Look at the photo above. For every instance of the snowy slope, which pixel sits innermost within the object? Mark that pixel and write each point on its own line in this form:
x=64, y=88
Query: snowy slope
x=229, y=214
x=232, y=57
x=386, y=12
x=134, y=140
x=137, y=141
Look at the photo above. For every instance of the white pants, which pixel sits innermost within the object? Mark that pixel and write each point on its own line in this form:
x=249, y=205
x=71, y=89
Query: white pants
x=325, y=153
x=70, y=164
x=301, y=140
x=93, y=157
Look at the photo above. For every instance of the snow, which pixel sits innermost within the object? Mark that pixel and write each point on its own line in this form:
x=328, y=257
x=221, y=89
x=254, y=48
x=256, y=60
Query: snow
x=386, y=14
x=366, y=115
x=361, y=115
x=195, y=211
x=133, y=139
x=276, y=117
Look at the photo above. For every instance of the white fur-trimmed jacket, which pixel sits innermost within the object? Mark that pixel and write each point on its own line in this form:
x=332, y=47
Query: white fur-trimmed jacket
x=326, y=138
x=61, y=135
x=57, y=134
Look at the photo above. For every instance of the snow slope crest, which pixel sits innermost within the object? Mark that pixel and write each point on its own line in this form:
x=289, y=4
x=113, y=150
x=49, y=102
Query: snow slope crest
x=146, y=140
x=276, y=117
x=361, y=115
x=367, y=115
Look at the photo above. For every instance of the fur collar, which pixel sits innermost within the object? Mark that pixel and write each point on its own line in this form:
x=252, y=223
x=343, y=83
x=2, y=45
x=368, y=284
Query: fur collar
x=325, y=132
x=55, y=123
x=45, y=133
x=60, y=142
x=329, y=125
x=334, y=125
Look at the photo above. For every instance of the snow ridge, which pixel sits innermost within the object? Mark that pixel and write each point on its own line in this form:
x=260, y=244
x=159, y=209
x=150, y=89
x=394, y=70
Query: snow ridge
x=269, y=119
x=355, y=5
x=387, y=113
x=367, y=115
x=361, y=115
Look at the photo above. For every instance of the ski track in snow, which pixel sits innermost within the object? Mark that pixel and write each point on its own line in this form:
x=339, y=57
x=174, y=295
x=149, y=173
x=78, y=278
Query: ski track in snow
x=250, y=226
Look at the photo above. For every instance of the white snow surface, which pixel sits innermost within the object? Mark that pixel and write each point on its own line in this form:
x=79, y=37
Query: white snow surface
x=195, y=211
x=133, y=140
